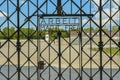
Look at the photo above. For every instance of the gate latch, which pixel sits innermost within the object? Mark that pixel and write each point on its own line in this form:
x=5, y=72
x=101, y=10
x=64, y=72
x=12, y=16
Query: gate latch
x=41, y=65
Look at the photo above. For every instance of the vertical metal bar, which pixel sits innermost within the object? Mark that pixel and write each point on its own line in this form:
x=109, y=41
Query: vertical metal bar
x=59, y=54
x=100, y=35
x=49, y=51
x=38, y=42
x=81, y=58
x=59, y=7
x=46, y=7
x=28, y=40
x=70, y=72
x=110, y=41
x=119, y=30
x=90, y=45
x=38, y=50
x=18, y=38
x=79, y=34
x=8, y=41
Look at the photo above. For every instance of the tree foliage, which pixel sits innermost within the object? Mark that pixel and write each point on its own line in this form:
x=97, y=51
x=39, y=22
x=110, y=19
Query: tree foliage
x=30, y=33
x=53, y=33
x=11, y=33
x=115, y=28
x=89, y=28
x=8, y=33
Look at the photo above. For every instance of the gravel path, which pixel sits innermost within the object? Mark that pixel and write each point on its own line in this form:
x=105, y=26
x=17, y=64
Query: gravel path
x=50, y=55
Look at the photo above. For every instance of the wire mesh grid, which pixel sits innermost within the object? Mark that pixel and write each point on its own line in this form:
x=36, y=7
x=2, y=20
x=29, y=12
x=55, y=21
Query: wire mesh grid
x=59, y=39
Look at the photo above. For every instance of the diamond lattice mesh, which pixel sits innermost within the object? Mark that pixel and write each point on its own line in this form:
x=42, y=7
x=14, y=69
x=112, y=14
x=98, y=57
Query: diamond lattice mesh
x=89, y=50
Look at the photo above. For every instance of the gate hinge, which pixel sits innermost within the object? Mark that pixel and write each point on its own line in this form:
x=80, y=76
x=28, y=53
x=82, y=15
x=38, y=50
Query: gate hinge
x=41, y=65
x=100, y=44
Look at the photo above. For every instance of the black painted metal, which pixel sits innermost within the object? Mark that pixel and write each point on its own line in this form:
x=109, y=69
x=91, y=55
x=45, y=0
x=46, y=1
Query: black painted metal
x=21, y=55
x=67, y=15
x=18, y=38
x=101, y=42
x=59, y=7
x=59, y=53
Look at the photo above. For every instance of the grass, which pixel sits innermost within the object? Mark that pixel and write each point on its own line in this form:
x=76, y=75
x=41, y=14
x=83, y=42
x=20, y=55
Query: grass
x=109, y=51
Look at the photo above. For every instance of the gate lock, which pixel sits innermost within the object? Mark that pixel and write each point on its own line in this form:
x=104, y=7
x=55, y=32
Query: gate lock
x=41, y=65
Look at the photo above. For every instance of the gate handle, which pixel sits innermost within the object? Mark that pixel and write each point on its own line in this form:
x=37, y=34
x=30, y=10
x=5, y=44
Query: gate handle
x=41, y=64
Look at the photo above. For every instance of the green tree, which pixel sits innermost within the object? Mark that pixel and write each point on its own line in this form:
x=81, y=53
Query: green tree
x=8, y=32
x=53, y=33
x=104, y=28
x=115, y=28
x=42, y=34
x=28, y=33
x=75, y=29
x=1, y=35
x=89, y=28
x=31, y=33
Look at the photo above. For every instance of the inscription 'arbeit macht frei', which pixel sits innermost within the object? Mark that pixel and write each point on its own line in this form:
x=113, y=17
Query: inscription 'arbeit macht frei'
x=59, y=21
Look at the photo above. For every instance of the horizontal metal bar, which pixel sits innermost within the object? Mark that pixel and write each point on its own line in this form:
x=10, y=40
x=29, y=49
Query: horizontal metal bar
x=63, y=15
x=71, y=24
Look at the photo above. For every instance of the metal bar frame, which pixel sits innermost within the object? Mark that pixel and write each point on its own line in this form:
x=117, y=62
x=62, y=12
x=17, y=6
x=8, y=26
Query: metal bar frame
x=39, y=13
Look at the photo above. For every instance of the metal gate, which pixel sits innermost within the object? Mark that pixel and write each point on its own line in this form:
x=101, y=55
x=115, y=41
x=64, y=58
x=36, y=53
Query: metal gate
x=59, y=39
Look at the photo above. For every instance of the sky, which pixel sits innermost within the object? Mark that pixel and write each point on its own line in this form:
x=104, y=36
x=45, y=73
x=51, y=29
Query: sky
x=107, y=10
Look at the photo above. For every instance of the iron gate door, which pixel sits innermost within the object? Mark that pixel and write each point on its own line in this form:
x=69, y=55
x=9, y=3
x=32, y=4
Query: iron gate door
x=60, y=47
x=59, y=39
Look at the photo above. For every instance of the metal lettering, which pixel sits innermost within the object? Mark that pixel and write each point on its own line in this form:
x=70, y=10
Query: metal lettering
x=65, y=21
x=57, y=20
x=50, y=20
